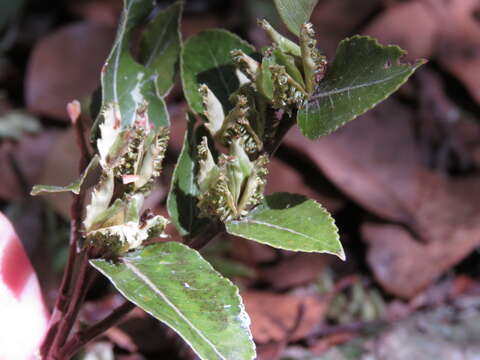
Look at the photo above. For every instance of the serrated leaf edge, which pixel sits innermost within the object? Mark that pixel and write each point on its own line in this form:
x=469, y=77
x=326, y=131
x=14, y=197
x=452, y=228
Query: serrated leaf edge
x=403, y=52
x=280, y=13
x=340, y=254
x=242, y=316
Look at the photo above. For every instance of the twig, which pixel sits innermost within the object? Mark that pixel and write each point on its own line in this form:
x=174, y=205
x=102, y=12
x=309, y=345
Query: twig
x=213, y=231
x=65, y=298
x=81, y=338
x=286, y=123
x=82, y=284
x=82, y=144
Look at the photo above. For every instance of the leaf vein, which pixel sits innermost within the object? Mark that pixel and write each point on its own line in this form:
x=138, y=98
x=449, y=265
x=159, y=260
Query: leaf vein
x=359, y=86
x=278, y=227
x=137, y=272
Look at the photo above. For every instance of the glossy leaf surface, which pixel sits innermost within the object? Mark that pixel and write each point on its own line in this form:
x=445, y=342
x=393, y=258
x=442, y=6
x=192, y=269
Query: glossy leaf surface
x=182, y=198
x=206, y=60
x=363, y=74
x=291, y=222
x=160, y=47
x=130, y=84
x=177, y=286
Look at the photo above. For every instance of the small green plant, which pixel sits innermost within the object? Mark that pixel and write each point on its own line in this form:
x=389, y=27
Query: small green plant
x=242, y=103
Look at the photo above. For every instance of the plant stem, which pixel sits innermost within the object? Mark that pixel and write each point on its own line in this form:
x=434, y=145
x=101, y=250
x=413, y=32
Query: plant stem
x=81, y=338
x=286, y=123
x=82, y=284
x=85, y=155
x=211, y=232
x=64, y=299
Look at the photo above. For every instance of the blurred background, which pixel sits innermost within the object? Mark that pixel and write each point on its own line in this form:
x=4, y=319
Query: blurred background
x=402, y=182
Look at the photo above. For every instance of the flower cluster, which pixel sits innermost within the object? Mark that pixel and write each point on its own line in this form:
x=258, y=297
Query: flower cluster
x=233, y=183
x=289, y=72
x=131, y=160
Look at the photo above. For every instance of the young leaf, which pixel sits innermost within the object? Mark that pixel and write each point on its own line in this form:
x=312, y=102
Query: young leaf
x=73, y=187
x=295, y=13
x=206, y=59
x=177, y=286
x=363, y=74
x=291, y=222
x=182, y=198
x=126, y=82
x=160, y=46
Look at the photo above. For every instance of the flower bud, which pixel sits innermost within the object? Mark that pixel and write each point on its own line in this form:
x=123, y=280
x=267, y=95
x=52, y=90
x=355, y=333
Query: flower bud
x=281, y=41
x=245, y=63
x=212, y=109
x=314, y=64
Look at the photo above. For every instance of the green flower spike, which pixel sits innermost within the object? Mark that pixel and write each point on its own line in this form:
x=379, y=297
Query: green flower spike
x=314, y=64
x=284, y=44
x=231, y=187
x=131, y=158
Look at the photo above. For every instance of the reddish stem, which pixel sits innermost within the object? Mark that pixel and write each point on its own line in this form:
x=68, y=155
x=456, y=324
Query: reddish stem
x=81, y=338
x=64, y=298
x=82, y=284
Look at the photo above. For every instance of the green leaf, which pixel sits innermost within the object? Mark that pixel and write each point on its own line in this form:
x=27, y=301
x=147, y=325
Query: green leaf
x=206, y=60
x=291, y=222
x=231, y=268
x=182, y=198
x=73, y=187
x=160, y=46
x=177, y=286
x=126, y=82
x=295, y=13
x=363, y=74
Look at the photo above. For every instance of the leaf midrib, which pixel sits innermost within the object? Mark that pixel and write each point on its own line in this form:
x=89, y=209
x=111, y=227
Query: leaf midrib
x=359, y=86
x=278, y=227
x=143, y=277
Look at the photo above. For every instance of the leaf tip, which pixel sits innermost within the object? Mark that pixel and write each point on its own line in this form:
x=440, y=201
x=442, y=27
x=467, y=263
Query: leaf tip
x=341, y=254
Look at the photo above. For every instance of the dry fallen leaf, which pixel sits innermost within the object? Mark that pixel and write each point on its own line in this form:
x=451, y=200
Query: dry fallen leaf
x=61, y=168
x=376, y=161
x=418, y=38
x=283, y=177
x=446, y=30
x=278, y=318
x=458, y=48
x=99, y=11
x=404, y=266
x=65, y=66
x=299, y=269
x=21, y=163
x=363, y=160
x=250, y=252
x=334, y=20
